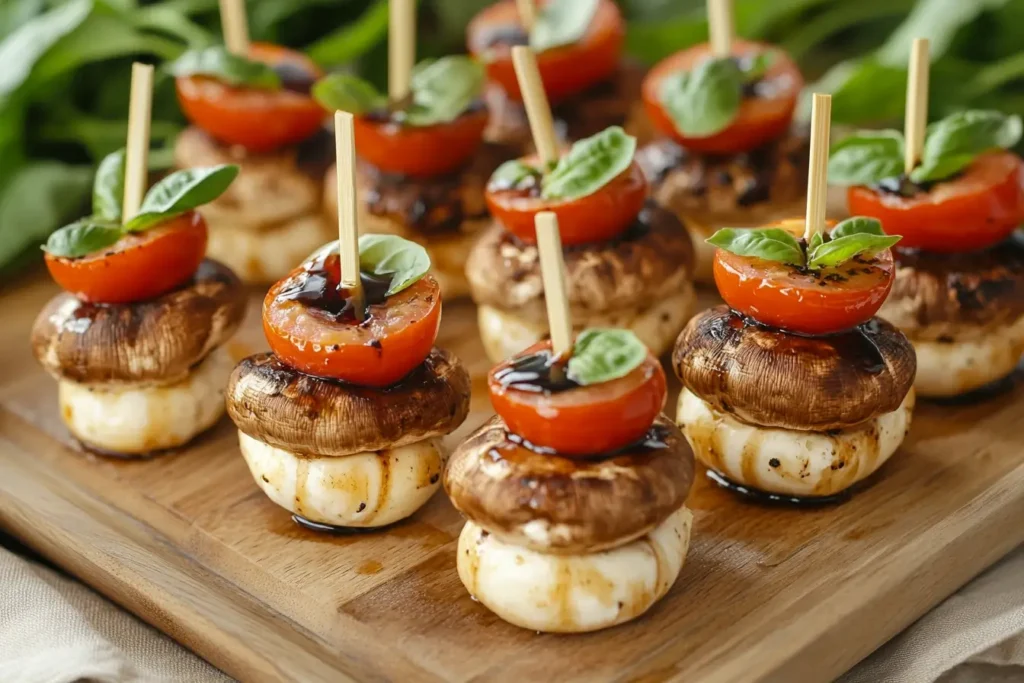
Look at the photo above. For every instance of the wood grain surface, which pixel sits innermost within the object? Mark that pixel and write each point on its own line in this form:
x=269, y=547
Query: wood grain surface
x=190, y=544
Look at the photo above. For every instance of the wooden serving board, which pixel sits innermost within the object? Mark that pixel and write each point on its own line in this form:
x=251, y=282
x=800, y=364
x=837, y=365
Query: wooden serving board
x=188, y=542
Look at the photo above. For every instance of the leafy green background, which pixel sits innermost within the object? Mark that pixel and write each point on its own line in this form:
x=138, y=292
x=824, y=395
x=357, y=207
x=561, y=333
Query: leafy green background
x=65, y=69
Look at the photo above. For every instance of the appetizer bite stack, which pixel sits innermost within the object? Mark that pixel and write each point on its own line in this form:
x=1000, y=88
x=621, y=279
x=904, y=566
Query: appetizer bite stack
x=730, y=155
x=250, y=104
x=579, y=52
x=423, y=165
x=133, y=340
x=575, y=491
x=628, y=261
x=956, y=194
x=341, y=423
x=793, y=389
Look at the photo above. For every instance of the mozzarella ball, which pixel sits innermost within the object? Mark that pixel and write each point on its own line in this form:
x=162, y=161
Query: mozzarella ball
x=262, y=256
x=791, y=462
x=370, y=489
x=573, y=593
x=139, y=420
x=505, y=334
x=967, y=361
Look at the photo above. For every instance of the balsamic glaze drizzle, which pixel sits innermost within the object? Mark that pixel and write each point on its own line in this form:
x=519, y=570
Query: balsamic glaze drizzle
x=537, y=373
x=317, y=287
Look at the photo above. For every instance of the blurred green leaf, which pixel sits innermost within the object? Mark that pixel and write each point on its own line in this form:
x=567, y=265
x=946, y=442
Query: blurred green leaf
x=352, y=41
x=23, y=49
x=936, y=20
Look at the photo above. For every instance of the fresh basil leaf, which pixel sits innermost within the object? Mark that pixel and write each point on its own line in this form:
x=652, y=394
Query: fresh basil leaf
x=346, y=92
x=866, y=157
x=954, y=142
x=704, y=101
x=590, y=164
x=601, y=355
x=108, y=187
x=443, y=89
x=22, y=49
x=218, y=62
x=816, y=240
x=857, y=225
x=756, y=66
x=562, y=22
x=511, y=173
x=405, y=261
x=842, y=249
x=180, y=192
x=770, y=244
x=83, y=237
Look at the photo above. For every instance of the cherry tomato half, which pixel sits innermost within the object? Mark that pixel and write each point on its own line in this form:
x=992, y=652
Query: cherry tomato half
x=420, y=151
x=976, y=209
x=259, y=120
x=139, y=266
x=565, y=70
x=309, y=335
x=583, y=421
x=759, y=120
x=822, y=301
x=596, y=217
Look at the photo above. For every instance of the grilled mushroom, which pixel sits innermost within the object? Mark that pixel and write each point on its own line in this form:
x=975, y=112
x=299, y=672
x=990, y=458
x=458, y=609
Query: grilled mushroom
x=771, y=378
x=152, y=342
x=306, y=415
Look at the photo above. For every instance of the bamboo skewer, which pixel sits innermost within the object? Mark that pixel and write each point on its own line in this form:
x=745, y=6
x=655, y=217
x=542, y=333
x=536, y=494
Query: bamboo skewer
x=348, y=231
x=136, y=162
x=552, y=269
x=720, y=27
x=527, y=13
x=401, y=48
x=916, y=120
x=536, y=102
x=817, y=175
x=235, y=26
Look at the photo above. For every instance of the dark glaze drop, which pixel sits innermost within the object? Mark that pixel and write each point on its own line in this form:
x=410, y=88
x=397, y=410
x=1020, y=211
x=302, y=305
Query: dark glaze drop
x=294, y=77
x=656, y=439
x=536, y=373
x=317, y=288
x=332, y=529
x=765, y=498
x=902, y=186
x=505, y=34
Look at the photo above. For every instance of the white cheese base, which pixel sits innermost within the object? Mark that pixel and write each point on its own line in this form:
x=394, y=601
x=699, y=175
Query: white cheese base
x=791, y=462
x=138, y=420
x=369, y=489
x=967, y=363
x=265, y=256
x=573, y=593
x=505, y=334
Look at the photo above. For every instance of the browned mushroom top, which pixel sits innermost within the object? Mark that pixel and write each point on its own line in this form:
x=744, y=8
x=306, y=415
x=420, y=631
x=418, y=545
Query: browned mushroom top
x=649, y=261
x=311, y=416
x=771, y=378
x=936, y=295
x=558, y=505
x=148, y=342
x=740, y=189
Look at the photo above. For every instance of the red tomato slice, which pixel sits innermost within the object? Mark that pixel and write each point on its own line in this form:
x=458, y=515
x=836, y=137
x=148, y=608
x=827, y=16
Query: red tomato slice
x=976, y=209
x=566, y=70
x=139, y=266
x=307, y=327
x=596, y=217
x=420, y=151
x=259, y=120
x=760, y=119
x=582, y=421
x=809, y=302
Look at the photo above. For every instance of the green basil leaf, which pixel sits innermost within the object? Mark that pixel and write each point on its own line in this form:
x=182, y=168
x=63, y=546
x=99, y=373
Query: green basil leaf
x=562, y=22
x=443, y=89
x=511, y=173
x=770, y=244
x=346, y=92
x=843, y=249
x=83, y=237
x=866, y=157
x=218, y=62
x=954, y=142
x=180, y=192
x=816, y=240
x=108, y=187
x=601, y=355
x=704, y=101
x=590, y=164
x=856, y=225
x=405, y=261
x=754, y=68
